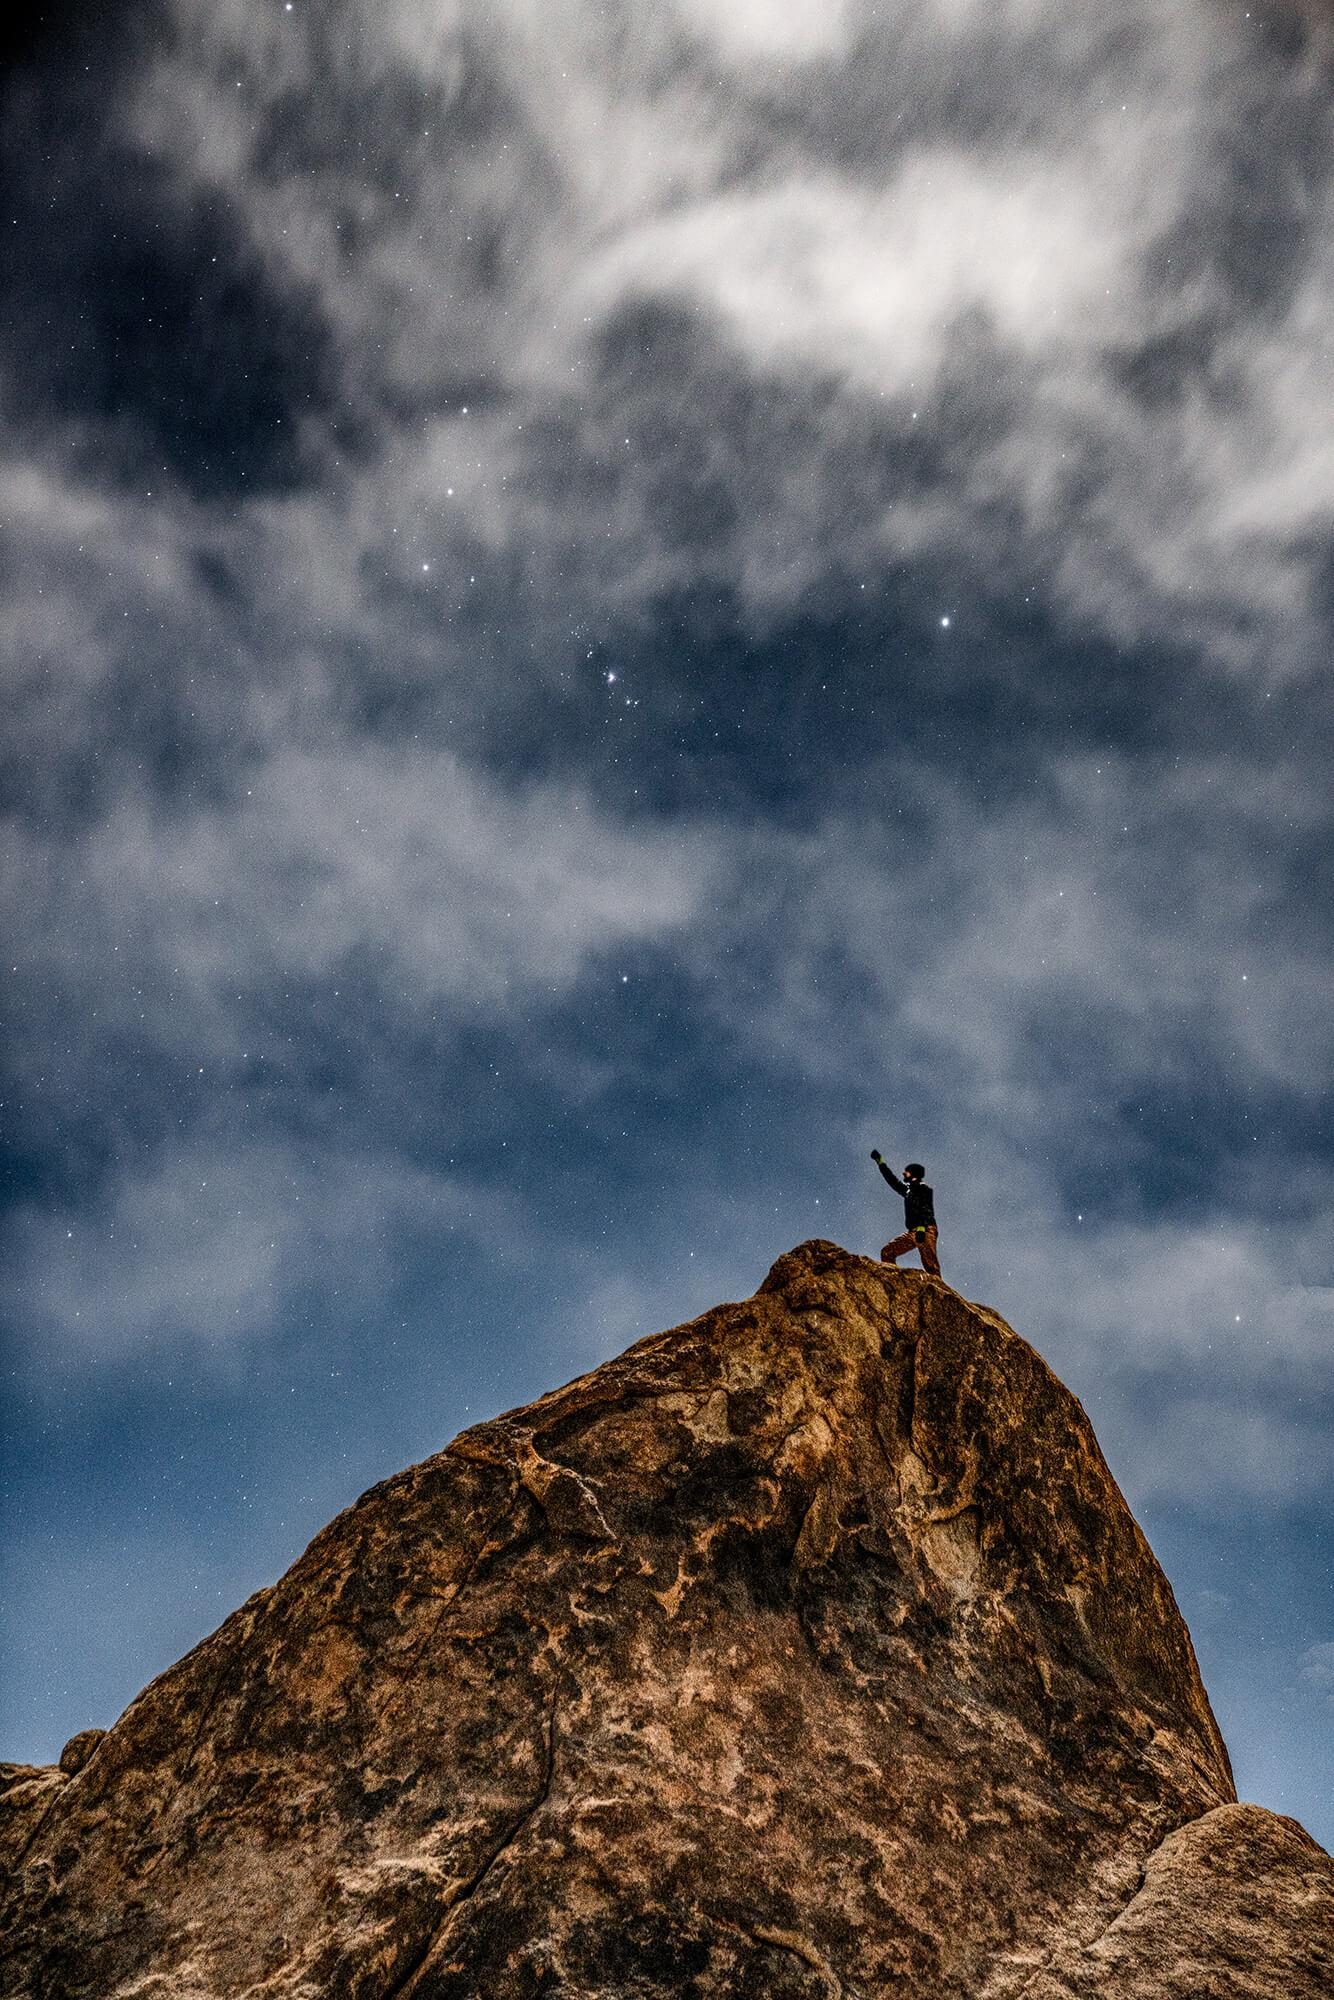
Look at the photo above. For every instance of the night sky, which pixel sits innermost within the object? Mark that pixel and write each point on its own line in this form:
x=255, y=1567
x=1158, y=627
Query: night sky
x=606, y=606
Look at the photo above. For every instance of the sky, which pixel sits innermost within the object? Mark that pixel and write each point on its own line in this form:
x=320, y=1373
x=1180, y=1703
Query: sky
x=604, y=607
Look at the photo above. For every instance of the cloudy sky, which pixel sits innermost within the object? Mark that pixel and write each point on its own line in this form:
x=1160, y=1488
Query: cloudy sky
x=607, y=605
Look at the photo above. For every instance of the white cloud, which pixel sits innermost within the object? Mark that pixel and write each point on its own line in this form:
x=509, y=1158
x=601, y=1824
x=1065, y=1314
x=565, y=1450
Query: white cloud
x=208, y=1245
x=773, y=31
x=459, y=891
x=474, y=892
x=811, y=273
x=1316, y=1668
x=1124, y=898
x=1031, y=182
x=1218, y=1301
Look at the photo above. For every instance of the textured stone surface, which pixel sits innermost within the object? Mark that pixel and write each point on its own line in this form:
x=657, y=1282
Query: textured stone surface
x=1238, y=1905
x=805, y=1650
x=79, y=1749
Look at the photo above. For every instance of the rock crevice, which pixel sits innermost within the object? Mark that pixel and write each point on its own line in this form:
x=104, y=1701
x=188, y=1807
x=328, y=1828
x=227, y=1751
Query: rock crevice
x=410, y=1979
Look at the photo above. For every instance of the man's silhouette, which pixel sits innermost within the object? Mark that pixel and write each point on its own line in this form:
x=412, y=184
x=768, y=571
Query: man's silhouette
x=919, y=1212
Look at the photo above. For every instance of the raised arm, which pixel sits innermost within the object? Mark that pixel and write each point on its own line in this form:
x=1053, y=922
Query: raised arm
x=888, y=1172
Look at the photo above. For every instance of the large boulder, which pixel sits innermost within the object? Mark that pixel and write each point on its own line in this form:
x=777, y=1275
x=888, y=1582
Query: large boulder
x=808, y=1649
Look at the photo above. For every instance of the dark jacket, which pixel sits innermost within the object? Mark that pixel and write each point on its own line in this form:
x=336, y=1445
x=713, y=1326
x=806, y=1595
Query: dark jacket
x=919, y=1210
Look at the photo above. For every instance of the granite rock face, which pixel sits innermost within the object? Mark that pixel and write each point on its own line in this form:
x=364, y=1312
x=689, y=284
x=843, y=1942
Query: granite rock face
x=805, y=1651
x=1238, y=1904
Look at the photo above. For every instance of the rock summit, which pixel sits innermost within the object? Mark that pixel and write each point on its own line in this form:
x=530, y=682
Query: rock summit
x=805, y=1652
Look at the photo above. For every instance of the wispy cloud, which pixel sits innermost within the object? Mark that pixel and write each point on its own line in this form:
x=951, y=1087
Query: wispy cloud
x=469, y=891
x=210, y=1246
x=1317, y=1668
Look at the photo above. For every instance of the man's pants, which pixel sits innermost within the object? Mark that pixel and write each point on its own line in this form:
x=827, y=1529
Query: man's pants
x=914, y=1239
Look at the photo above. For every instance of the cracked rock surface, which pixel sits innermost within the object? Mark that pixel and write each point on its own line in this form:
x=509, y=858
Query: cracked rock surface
x=806, y=1650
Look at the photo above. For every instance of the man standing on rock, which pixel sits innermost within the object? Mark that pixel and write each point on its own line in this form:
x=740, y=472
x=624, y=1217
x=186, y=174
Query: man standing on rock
x=919, y=1212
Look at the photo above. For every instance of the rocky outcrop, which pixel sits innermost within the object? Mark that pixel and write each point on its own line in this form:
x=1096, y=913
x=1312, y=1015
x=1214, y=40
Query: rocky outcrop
x=1238, y=1903
x=805, y=1650
x=79, y=1749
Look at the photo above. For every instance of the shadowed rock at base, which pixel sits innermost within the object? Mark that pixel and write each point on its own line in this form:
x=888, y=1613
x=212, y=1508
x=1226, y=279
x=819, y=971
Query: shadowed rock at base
x=808, y=1649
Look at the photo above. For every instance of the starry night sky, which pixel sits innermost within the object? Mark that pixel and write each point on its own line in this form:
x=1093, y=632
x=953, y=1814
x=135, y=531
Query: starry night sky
x=607, y=605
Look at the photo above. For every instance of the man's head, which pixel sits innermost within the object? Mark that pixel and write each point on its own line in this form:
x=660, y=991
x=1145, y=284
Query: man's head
x=914, y=1171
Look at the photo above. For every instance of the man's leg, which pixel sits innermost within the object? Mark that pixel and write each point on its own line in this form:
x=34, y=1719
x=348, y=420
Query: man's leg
x=893, y=1251
x=927, y=1246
